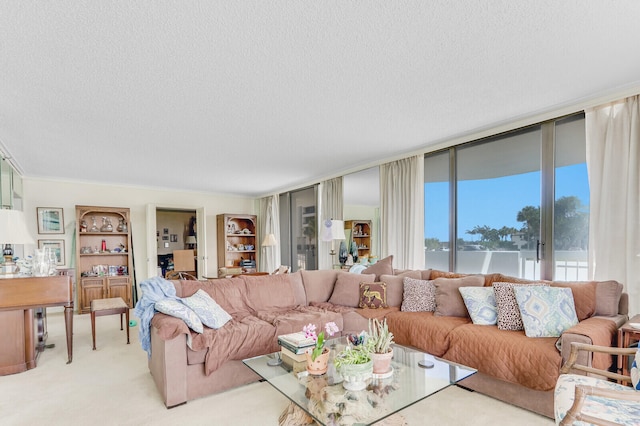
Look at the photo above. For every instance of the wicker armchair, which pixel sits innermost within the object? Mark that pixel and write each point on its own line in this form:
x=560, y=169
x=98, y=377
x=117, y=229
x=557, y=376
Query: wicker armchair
x=595, y=400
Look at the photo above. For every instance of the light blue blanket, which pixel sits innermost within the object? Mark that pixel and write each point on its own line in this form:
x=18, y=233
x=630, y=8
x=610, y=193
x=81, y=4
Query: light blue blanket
x=153, y=290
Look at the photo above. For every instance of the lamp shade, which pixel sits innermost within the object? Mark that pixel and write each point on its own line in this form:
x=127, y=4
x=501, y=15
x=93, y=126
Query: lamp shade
x=191, y=239
x=269, y=240
x=333, y=230
x=13, y=228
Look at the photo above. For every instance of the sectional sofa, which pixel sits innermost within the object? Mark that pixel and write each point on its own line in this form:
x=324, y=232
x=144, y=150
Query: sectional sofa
x=511, y=366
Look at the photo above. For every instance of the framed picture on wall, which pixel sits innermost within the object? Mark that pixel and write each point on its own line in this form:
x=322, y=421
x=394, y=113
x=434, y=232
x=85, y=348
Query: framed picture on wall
x=50, y=220
x=174, y=238
x=58, y=248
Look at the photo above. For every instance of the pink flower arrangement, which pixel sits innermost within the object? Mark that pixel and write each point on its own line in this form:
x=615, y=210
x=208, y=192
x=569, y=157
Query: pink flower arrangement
x=310, y=331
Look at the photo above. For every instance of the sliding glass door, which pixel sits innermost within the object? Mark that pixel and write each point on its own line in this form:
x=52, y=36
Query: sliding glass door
x=515, y=203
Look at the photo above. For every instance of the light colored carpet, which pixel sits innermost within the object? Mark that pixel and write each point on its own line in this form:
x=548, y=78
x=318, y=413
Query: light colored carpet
x=113, y=386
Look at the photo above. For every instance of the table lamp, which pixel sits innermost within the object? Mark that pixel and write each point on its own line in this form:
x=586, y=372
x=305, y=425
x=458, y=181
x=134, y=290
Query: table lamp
x=13, y=230
x=333, y=230
x=191, y=241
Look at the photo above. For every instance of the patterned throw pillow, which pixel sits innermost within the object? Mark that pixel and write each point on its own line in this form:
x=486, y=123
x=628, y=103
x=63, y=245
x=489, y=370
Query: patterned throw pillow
x=373, y=295
x=635, y=371
x=508, y=311
x=419, y=296
x=481, y=304
x=180, y=310
x=209, y=312
x=546, y=311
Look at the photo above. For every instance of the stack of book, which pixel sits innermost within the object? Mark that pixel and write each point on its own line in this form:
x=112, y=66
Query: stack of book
x=292, y=350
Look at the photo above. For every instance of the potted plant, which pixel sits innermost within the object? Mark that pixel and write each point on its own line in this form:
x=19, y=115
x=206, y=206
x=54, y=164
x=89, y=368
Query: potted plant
x=318, y=357
x=381, y=339
x=354, y=363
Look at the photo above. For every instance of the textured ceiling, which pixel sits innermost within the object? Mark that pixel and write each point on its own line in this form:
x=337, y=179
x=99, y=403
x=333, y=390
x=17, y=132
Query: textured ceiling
x=252, y=97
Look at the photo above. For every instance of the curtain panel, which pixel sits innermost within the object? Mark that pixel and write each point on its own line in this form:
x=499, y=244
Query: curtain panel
x=402, y=212
x=613, y=164
x=269, y=223
x=331, y=207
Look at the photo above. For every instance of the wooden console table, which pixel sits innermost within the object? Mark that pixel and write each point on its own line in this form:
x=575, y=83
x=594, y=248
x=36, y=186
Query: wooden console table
x=18, y=299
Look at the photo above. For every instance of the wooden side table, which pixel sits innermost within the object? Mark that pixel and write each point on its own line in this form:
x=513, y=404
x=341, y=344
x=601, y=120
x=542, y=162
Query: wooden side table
x=626, y=334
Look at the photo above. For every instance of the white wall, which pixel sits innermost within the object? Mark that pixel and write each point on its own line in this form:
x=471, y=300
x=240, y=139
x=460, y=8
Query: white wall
x=50, y=193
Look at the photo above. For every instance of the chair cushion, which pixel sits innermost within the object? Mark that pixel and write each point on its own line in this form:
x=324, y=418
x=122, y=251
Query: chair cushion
x=635, y=371
x=614, y=410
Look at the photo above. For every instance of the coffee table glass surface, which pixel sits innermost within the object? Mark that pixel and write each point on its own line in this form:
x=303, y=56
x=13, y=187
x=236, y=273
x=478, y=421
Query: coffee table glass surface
x=324, y=399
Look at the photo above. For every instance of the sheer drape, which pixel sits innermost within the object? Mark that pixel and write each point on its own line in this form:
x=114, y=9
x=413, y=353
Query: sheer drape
x=613, y=151
x=331, y=207
x=402, y=212
x=269, y=223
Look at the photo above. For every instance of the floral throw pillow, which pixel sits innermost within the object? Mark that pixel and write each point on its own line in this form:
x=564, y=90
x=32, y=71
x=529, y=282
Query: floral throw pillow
x=373, y=295
x=419, y=296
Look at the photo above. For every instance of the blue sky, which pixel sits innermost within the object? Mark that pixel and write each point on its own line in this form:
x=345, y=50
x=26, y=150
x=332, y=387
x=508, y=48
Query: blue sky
x=496, y=202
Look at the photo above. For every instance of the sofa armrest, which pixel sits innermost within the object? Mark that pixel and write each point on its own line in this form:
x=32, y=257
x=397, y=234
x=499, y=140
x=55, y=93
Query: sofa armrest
x=168, y=366
x=591, y=331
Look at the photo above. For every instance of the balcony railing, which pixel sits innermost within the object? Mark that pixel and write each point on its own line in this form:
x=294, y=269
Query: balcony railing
x=569, y=265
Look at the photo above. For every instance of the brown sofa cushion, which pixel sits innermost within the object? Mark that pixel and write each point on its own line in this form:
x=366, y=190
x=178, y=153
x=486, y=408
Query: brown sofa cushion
x=229, y=293
x=318, y=285
x=373, y=295
x=449, y=302
x=395, y=286
x=346, y=291
x=381, y=267
x=269, y=292
x=295, y=279
x=608, y=298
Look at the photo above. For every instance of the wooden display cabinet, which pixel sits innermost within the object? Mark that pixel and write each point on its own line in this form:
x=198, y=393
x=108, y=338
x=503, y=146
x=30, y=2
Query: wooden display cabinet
x=237, y=241
x=103, y=255
x=361, y=234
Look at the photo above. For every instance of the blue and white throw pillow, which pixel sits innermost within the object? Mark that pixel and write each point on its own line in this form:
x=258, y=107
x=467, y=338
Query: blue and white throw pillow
x=635, y=371
x=178, y=309
x=209, y=312
x=546, y=311
x=481, y=304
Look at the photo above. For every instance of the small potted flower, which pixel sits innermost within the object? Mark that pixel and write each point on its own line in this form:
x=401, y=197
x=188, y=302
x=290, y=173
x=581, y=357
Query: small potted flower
x=381, y=339
x=354, y=363
x=318, y=356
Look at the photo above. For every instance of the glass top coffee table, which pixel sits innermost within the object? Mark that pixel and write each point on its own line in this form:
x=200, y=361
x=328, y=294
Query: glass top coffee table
x=324, y=400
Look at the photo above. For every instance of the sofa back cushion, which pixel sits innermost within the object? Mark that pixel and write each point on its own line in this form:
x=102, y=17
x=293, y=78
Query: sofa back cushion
x=297, y=286
x=608, y=295
x=318, y=285
x=267, y=292
x=381, y=267
x=229, y=293
x=449, y=302
x=346, y=291
x=395, y=286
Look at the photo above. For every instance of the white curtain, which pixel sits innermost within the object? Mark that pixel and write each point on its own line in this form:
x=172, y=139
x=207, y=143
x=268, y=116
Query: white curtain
x=613, y=163
x=269, y=223
x=402, y=212
x=331, y=207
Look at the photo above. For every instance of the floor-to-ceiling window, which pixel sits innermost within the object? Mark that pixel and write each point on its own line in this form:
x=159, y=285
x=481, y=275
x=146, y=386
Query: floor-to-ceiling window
x=515, y=203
